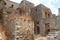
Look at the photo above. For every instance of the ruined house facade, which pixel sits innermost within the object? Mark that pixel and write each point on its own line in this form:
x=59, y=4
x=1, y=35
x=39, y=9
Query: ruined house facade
x=25, y=21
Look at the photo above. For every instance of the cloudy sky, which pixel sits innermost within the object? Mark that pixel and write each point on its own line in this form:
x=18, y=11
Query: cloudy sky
x=52, y=4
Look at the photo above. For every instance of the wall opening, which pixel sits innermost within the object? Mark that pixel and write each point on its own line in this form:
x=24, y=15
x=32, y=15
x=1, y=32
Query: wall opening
x=36, y=9
x=5, y=3
x=12, y=6
x=46, y=15
x=37, y=30
x=47, y=28
x=37, y=22
x=49, y=15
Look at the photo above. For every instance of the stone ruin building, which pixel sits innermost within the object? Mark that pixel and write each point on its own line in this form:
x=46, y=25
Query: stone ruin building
x=25, y=21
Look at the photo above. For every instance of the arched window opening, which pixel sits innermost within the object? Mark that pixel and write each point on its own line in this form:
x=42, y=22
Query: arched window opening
x=46, y=15
x=5, y=3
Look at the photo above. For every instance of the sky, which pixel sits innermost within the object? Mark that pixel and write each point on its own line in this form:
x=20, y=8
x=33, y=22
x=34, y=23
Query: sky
x=52, y=4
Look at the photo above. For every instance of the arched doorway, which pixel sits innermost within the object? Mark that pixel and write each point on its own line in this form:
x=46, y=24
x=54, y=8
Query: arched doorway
x=47, y=28
x=37, y=30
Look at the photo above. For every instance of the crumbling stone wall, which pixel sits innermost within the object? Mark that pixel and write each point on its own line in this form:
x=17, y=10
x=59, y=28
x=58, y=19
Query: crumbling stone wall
x=24, y=29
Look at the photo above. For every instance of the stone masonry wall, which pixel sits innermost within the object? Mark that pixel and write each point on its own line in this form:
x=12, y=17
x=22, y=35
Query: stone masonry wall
x=24, y=29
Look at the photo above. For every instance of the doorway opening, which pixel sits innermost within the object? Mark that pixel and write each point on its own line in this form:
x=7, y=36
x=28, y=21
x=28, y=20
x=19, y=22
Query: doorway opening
x=47, y=28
